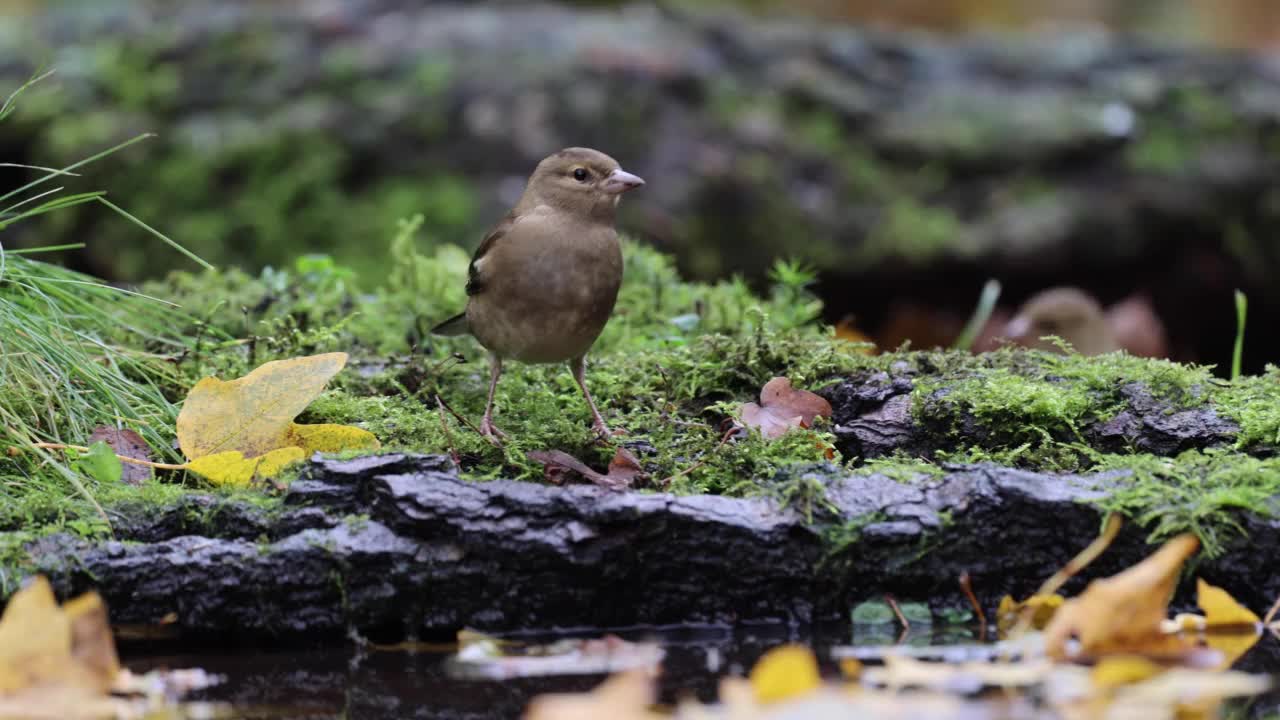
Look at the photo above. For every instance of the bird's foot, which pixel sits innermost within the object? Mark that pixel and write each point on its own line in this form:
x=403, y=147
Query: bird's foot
x=603, y=433
x=490, y=431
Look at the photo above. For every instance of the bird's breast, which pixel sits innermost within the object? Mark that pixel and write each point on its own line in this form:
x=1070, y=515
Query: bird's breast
x=549, y=301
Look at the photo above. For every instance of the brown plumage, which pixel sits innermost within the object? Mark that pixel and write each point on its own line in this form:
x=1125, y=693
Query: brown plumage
x=543, y=282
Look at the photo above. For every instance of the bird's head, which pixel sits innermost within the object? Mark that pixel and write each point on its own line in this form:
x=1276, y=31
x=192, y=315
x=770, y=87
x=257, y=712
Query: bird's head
x=1068, y=313
x=581, y=180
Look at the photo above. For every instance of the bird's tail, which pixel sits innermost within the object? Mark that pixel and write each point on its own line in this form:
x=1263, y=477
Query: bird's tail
x=456, y=325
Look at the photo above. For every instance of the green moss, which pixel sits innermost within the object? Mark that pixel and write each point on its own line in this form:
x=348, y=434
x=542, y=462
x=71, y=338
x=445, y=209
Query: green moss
x=1198, y=492
x=902, y=468
x=1252, y=403
x=1029, y=407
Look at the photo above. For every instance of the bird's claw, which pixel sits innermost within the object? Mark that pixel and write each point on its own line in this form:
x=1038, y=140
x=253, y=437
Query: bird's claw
x=604, y=434
x=491, y=432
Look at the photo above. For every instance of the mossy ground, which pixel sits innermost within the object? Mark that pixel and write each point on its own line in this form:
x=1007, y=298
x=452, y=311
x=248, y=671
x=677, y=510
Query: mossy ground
x=676, y=360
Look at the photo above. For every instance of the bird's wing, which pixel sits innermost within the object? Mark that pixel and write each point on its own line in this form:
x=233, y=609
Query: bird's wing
x=475, y=283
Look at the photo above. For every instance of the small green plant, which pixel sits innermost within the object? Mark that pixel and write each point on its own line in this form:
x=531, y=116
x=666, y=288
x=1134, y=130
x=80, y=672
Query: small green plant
x=981, y=314
x=1237, y=352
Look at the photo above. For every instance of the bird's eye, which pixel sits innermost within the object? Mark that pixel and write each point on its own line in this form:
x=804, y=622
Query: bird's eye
x=580, y=174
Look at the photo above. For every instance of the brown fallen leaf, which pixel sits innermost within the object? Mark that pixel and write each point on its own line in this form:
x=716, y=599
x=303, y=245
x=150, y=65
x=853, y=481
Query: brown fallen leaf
x=624, y=469
x=624, y=696
x=1125, y=612
x=125, y=443
x=783, y=408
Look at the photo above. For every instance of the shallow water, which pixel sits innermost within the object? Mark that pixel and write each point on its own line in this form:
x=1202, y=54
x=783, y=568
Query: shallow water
x=338, y=682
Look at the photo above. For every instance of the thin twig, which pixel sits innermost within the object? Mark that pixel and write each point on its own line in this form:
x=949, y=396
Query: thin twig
x=966, y=586
x=448, y=434
x=893, y=605
x=1073, y=566
x=1272, y=612
x=123, y=458
x=454, y=413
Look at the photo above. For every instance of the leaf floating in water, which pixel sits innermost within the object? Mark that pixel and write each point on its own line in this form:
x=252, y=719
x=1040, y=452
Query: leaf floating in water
x=483, y=656
x=785, y=672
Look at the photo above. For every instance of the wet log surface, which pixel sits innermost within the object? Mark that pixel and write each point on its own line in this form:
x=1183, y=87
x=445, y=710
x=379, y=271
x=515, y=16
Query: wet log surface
x=395, y=545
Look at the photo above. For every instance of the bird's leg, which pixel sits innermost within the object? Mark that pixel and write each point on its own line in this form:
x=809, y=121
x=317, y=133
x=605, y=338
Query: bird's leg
x=487, y=428
x=579, y=367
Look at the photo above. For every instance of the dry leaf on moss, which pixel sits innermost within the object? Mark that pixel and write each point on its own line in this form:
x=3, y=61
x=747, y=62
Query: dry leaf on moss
x=125, y=443
x=623, y=469
x=783, y=408
x=255, y=413
x=234, y=432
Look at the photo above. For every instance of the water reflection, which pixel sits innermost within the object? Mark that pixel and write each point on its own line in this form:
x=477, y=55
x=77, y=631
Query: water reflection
x=301, y=683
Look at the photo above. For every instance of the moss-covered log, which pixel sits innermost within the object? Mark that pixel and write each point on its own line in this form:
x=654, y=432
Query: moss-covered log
x=398, y=545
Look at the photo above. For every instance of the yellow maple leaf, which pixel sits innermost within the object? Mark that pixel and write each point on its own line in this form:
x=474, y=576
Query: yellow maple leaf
x=234, y=432
x=785, y=672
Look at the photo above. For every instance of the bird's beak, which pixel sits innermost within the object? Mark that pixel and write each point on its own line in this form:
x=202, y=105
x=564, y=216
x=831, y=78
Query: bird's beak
x=620, y=181
x=1018, y=328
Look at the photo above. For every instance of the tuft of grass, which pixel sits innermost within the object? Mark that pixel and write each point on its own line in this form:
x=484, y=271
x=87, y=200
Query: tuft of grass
x=981, y=314
x=77, y=354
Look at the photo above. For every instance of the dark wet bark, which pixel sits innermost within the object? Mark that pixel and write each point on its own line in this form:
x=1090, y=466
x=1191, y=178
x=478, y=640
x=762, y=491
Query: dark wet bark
x=397, y=545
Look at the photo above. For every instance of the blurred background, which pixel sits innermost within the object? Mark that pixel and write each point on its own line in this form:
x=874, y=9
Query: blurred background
x=907, y=150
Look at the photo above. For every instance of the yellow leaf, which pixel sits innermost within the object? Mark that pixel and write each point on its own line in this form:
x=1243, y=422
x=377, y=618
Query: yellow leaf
x=1120, y=670
x=331, y=438
x=1041, y=608
x=92, y=646
x=1122, y=613
x=1232, y=628
x=35, y=638
x=254, y=414
x=785, y=672
x=42, y=645
x=233, y=468
x=1220, y=608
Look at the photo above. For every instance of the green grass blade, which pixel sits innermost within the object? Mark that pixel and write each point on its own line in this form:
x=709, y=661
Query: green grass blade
x=196, y=258
x=74, y=165
x=981, y=314
x=1237, y=353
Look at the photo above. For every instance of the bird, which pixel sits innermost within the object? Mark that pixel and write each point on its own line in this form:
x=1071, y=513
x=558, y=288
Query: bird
x=543, y=282
x=1068, y=313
